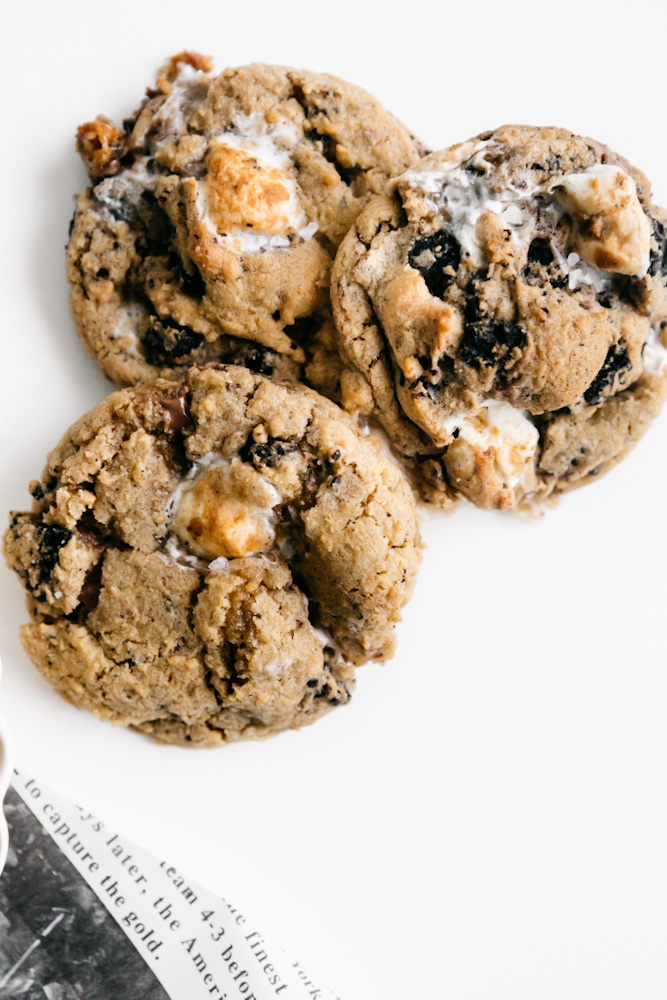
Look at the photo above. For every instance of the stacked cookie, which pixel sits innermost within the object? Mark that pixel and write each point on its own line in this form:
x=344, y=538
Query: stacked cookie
x=270, y=266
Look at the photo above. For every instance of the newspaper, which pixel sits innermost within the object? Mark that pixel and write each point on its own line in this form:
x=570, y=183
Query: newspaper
x=87, y=915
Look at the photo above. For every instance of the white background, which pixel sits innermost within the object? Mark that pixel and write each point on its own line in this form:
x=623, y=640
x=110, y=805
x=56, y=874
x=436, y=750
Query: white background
x=488, y=819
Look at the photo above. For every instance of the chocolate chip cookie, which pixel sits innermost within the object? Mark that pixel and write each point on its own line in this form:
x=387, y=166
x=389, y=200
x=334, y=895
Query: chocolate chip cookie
x=214, y=214
x=501, y=314
x=208, y=559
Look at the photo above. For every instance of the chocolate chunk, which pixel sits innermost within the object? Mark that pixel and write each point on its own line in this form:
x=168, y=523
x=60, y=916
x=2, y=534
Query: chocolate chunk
x=90, y=592
x=486, y=341
x=40, y=490
x=174, y=411
x=431, y=255
x=257, y=359
x=166, y=341
x=542, y=265
x=540, y=252
x=191, y=283
x=615, y=365
x=51, y=538
x=267, y=453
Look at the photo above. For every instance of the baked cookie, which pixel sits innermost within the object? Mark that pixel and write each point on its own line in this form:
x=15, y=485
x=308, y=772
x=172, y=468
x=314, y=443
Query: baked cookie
x=208, y=559
x=494, y=314
x=214, y=215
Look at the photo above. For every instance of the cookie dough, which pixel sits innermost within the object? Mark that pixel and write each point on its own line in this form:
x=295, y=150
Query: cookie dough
x=208, y=559
x=214, y=215
x=500, y=313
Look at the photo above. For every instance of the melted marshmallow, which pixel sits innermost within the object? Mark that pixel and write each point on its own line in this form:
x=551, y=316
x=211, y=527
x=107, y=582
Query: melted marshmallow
x=607, y=193
x=461, y=188
x=465, y=195
x=175, y=554
x=510, y=432
x=115, y=193
x=224, y=508
x=219, y=565
x=129, y=317
x=328, y=642
x=654, y=355
x=579, y=273
x=187, y=93
x=249, y=197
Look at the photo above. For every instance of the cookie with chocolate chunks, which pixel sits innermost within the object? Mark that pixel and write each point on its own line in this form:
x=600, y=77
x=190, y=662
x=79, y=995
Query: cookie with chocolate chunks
x=209, y=559
x=214, y=214
x=501, y=314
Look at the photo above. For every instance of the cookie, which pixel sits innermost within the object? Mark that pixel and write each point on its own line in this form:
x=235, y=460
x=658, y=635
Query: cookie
x=214, y=214
x=500, y=313
x=208, y=559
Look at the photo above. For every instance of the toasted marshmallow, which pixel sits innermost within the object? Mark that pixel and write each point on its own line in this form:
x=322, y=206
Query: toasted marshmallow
x=243, y=192
x=248, y=195
x=612, y=230
x=225, y=510
x=492, y=456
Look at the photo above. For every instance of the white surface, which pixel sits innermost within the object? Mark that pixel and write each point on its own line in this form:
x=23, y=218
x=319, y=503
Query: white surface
x=6, y=764
x=487, y=820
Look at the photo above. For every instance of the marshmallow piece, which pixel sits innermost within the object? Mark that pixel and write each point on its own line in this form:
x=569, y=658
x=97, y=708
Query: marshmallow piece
x=226, y=511
x=500, y=426
x=612, y=231
x=242, y=192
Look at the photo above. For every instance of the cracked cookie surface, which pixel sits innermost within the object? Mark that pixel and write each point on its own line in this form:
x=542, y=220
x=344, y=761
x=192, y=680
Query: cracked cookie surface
x=214, y=215
x=501, y=314
x=208, y=559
